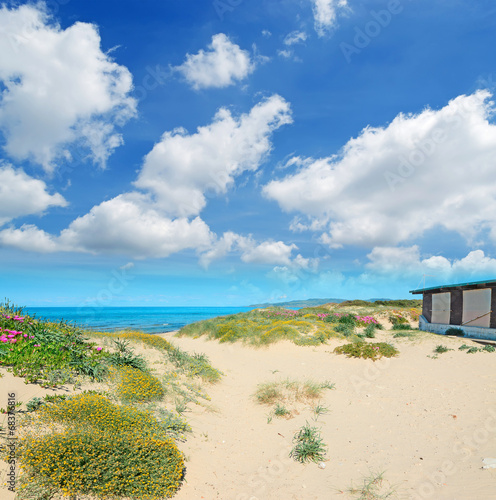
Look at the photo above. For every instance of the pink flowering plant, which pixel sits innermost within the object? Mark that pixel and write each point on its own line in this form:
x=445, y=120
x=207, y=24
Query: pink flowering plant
x=35, y=349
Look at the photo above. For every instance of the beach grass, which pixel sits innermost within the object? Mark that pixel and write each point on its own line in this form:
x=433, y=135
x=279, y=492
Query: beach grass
x=310, y=326
x=118, y=442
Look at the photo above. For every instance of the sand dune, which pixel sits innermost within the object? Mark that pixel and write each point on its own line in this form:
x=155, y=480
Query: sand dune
x=426, y=423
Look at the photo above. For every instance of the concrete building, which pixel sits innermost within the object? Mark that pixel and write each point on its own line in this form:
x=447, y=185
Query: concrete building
x=469, y=306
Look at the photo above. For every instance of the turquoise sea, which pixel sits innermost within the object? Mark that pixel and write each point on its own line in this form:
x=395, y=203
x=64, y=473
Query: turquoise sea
x=146, y=319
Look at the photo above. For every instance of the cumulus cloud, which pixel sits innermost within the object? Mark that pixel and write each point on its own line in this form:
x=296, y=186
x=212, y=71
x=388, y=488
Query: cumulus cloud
x=129, y=224
x=253, y=252
x=391, y=184
x=407, y=261
x=22, y=195
x=295, y=37
x=162, y=218
x=29, y=238
x=221, y=65
x=60, y=89
x=182, y=167
x=325, y=13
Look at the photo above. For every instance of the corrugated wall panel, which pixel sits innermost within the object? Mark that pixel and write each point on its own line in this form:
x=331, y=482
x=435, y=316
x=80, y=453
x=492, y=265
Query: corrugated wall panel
x=477, y=307
x=441, y=303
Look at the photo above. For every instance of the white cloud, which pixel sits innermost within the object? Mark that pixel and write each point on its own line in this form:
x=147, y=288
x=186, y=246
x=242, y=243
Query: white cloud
x=268, y=252
x=182, y=167
x=391, y=184
x=325, y=13
x=266, y=33
x=174, y=177
x=295, y=37
x=129, y=224
x=285, y=53
x=29, y=238
x=60, y=89
x=406, y=262
x=253, y=252
x=221, y=65
x=22, y=195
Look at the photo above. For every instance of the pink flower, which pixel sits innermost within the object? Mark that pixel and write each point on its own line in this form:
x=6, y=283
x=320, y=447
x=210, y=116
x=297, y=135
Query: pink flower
x=32, y=337
x=37, y=345
x=98, y=349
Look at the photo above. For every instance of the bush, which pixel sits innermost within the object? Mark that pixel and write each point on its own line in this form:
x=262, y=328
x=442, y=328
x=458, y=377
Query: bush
x=400, y=303
x=402, y=326
x=403, y=335
x=370, y=331
x=103, y=449
x=488, y=348
x=83, y=462
x=367, y=350
x=396, y=318
x=124, y=356
x=441, y=348
x=348, y=319
x=137, y=386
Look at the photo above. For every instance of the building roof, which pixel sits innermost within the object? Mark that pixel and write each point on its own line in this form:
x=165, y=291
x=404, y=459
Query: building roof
x=466, y=286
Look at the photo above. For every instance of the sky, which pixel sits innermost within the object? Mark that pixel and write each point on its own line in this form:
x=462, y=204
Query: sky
x=232, y=152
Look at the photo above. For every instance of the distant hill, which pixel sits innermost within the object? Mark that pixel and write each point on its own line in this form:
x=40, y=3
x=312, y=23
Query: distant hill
x=300, y=303
x=307, y=303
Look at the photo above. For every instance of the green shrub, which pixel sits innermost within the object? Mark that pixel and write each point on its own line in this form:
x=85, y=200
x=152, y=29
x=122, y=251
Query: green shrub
x=489, y=348
x=83, y=462
x=441, y=348
x=367, y=350
x=124, y=356
x=137, y=386
x=399, y=303
x=402, y=326
x=348, y=319
x=370, y=331
x=101, y=449
x=463, y=347
x=403, y=334
x=345, y=329
x=472, y=350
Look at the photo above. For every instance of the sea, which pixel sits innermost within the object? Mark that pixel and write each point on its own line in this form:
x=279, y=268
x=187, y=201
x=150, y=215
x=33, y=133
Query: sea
x=145, y=319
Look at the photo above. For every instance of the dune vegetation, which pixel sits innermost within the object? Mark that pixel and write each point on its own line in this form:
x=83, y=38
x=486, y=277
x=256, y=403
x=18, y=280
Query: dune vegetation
x=309, y=326
x=118, y=441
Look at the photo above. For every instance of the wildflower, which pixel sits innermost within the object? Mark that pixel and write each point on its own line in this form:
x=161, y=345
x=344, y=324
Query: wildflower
x=37, y=345
x=99, y=349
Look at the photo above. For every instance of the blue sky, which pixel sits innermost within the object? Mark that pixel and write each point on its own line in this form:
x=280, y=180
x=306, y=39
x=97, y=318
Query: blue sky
x=234, y=152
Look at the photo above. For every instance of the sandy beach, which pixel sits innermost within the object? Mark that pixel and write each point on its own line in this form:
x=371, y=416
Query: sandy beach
x=426, y=423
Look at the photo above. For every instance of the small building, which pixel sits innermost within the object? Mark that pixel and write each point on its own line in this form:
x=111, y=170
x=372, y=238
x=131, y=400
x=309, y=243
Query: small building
x=469, y=306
